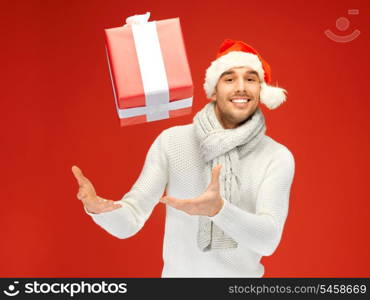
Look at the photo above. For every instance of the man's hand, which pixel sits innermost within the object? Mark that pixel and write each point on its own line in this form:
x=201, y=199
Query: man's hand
x=86, y=193
x=207, y=204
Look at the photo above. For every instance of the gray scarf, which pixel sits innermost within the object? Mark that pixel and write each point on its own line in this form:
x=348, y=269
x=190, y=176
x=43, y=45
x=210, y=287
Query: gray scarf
x=225, y=147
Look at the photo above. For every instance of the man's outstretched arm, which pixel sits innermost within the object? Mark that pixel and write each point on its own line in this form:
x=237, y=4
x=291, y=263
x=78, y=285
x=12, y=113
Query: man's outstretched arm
x=126, y=217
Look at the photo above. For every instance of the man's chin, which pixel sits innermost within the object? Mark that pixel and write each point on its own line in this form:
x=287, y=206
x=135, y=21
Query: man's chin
x=237, y=121
x=246, y=117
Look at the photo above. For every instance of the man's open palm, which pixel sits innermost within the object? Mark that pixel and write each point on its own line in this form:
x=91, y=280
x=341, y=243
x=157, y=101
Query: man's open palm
x=207, y=204
x=86, y=193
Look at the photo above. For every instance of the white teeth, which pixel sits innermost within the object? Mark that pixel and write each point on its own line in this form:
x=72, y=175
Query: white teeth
x=239, y=100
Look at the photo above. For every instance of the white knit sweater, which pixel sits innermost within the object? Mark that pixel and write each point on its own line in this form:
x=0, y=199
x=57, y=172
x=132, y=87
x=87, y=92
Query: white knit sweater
x=174, y=160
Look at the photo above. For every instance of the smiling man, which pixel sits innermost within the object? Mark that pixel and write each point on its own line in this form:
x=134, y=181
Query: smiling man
x=227, y=184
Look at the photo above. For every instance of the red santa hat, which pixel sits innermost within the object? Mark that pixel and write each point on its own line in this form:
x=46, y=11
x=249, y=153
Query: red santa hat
x=239, y=54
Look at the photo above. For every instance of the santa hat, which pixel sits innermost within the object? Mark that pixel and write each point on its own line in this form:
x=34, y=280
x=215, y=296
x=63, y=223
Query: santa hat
x=238, y=54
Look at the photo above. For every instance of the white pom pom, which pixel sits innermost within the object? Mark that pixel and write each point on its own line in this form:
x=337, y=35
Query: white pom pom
x=272, y=96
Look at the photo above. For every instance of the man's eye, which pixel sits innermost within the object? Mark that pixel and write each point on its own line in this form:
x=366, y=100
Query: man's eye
x=251, y=79
x=228, y=79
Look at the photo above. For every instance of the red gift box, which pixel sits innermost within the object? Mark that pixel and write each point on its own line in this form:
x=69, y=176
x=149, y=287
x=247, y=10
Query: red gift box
x=149, y=70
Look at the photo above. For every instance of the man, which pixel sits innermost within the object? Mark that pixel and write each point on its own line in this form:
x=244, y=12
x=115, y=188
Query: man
x=227, y=183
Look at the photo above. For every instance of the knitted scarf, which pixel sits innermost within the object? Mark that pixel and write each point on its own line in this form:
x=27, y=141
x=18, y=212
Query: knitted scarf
x=225, y=147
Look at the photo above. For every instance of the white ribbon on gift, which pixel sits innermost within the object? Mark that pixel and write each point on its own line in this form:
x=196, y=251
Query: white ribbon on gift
x=153, y=73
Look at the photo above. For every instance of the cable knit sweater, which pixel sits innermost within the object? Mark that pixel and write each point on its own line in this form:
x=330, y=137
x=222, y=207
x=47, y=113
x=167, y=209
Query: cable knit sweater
x=174, y=163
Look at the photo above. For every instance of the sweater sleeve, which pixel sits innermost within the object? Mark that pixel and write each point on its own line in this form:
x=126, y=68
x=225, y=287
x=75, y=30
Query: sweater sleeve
x=138, y=203
x=261, y=231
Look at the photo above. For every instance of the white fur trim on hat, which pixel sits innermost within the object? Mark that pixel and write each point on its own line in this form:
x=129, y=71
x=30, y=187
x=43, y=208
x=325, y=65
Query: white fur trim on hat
x=270, y=96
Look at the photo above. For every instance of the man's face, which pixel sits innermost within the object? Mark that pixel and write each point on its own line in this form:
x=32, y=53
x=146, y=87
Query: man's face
x=237, y=96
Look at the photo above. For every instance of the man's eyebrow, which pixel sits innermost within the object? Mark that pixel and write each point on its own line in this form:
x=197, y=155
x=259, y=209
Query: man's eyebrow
x=227, y=73
x=251, y=72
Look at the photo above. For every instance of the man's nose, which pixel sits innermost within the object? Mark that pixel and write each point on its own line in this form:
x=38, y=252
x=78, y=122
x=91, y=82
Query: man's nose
x=241, y=85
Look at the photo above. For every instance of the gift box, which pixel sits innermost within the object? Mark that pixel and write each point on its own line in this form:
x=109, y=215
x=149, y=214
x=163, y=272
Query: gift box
x=149, y=70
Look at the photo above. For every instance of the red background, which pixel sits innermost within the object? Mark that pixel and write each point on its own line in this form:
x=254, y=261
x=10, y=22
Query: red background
x=58, y=110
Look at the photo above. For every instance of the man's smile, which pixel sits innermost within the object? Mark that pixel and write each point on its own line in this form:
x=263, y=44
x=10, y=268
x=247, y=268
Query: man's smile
x=240, y=102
